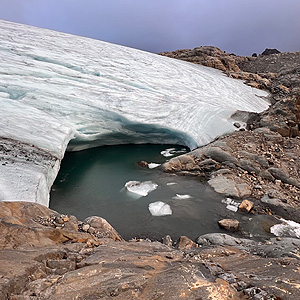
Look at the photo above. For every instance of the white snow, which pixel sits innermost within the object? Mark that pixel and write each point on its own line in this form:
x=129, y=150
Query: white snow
x=160, y=208
x=141, y=188
x=231, y=204
x=286, y=228
x=182, y=197
x=56, y=88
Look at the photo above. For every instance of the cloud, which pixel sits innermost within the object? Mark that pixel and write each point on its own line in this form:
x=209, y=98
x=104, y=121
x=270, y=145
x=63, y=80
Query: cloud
x=236, y=26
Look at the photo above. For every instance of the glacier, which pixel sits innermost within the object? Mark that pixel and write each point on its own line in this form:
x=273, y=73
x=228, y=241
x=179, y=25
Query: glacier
x=62, y=92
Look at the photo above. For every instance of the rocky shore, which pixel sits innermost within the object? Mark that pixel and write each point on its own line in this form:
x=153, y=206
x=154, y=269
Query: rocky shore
x=46, y=255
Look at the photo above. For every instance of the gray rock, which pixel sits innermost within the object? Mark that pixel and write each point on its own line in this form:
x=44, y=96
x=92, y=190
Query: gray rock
x=281, y=175
x=249, y=166
x=273, y=201
x=218, y=239
x=219, y=155
x=228, y=187
x=267, y=175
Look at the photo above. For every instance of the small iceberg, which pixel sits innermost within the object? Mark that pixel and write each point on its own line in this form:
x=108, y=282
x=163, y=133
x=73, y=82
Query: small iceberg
x=160, y=208
x=153, y=165
x=168, y=152
x=181, y=197
x=286, y=228
x=141, y=188
x=172, y=151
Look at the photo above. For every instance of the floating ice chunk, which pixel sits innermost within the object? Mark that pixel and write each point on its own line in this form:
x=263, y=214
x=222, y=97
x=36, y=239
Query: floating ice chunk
x=160, y=208
x=141, y=188
x=287, y=228
x=232, y=207
x=181, y=197
x=172, y=151
x=168, y=152
x=153, y=165
x=231, y=204
x=171, y=183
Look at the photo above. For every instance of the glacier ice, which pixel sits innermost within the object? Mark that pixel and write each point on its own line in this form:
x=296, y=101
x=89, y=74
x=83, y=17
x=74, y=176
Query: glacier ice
x=159, y=209
x=286, y=228
x=59, y=91
x=141, y=188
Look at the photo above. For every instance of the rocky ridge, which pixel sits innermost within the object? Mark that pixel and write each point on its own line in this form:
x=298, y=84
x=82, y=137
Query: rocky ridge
x=46, y=255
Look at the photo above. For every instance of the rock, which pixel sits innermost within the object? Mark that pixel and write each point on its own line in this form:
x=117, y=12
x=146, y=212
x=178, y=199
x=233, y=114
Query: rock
x=85, y=227
x=270, y=200
x=229, y=224
x=102, y=228
x=281, y=175
x=218, y=239
x=228, y=186
x=185, y=243
x=143, y=164
x=249, y=166
x=167, y=240
x=268, y=51
x=219, y=155
x=246, y=206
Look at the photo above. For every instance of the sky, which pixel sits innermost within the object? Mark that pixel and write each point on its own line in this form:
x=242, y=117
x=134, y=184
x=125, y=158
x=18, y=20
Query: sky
x=235, y=26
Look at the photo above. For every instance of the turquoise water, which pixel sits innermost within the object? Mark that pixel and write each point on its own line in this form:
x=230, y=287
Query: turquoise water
x=91, y=182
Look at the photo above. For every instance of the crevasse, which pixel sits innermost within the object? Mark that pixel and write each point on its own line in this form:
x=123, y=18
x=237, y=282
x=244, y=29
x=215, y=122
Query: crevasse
x=59, y=90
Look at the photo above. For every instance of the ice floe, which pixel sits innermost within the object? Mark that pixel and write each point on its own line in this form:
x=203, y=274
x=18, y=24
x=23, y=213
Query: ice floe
x=182, y=197
x=153, y=165
x=141, y=188
x=160, y=208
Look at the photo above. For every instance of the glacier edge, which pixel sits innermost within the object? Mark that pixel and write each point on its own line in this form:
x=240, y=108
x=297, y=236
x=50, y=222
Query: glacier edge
x=59, y=91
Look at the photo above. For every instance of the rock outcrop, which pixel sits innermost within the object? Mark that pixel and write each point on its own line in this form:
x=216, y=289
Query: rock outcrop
x=46, y=255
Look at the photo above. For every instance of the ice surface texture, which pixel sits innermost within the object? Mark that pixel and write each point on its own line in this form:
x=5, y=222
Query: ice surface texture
x=56, y=87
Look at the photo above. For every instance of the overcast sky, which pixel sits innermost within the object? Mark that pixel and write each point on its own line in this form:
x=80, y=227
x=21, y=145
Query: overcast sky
x=239, y=26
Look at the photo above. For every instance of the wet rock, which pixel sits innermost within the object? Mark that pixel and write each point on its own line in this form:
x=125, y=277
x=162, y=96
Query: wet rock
x=229, y=224
x=143, y=164
x=246, y=206
x=185, y=243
